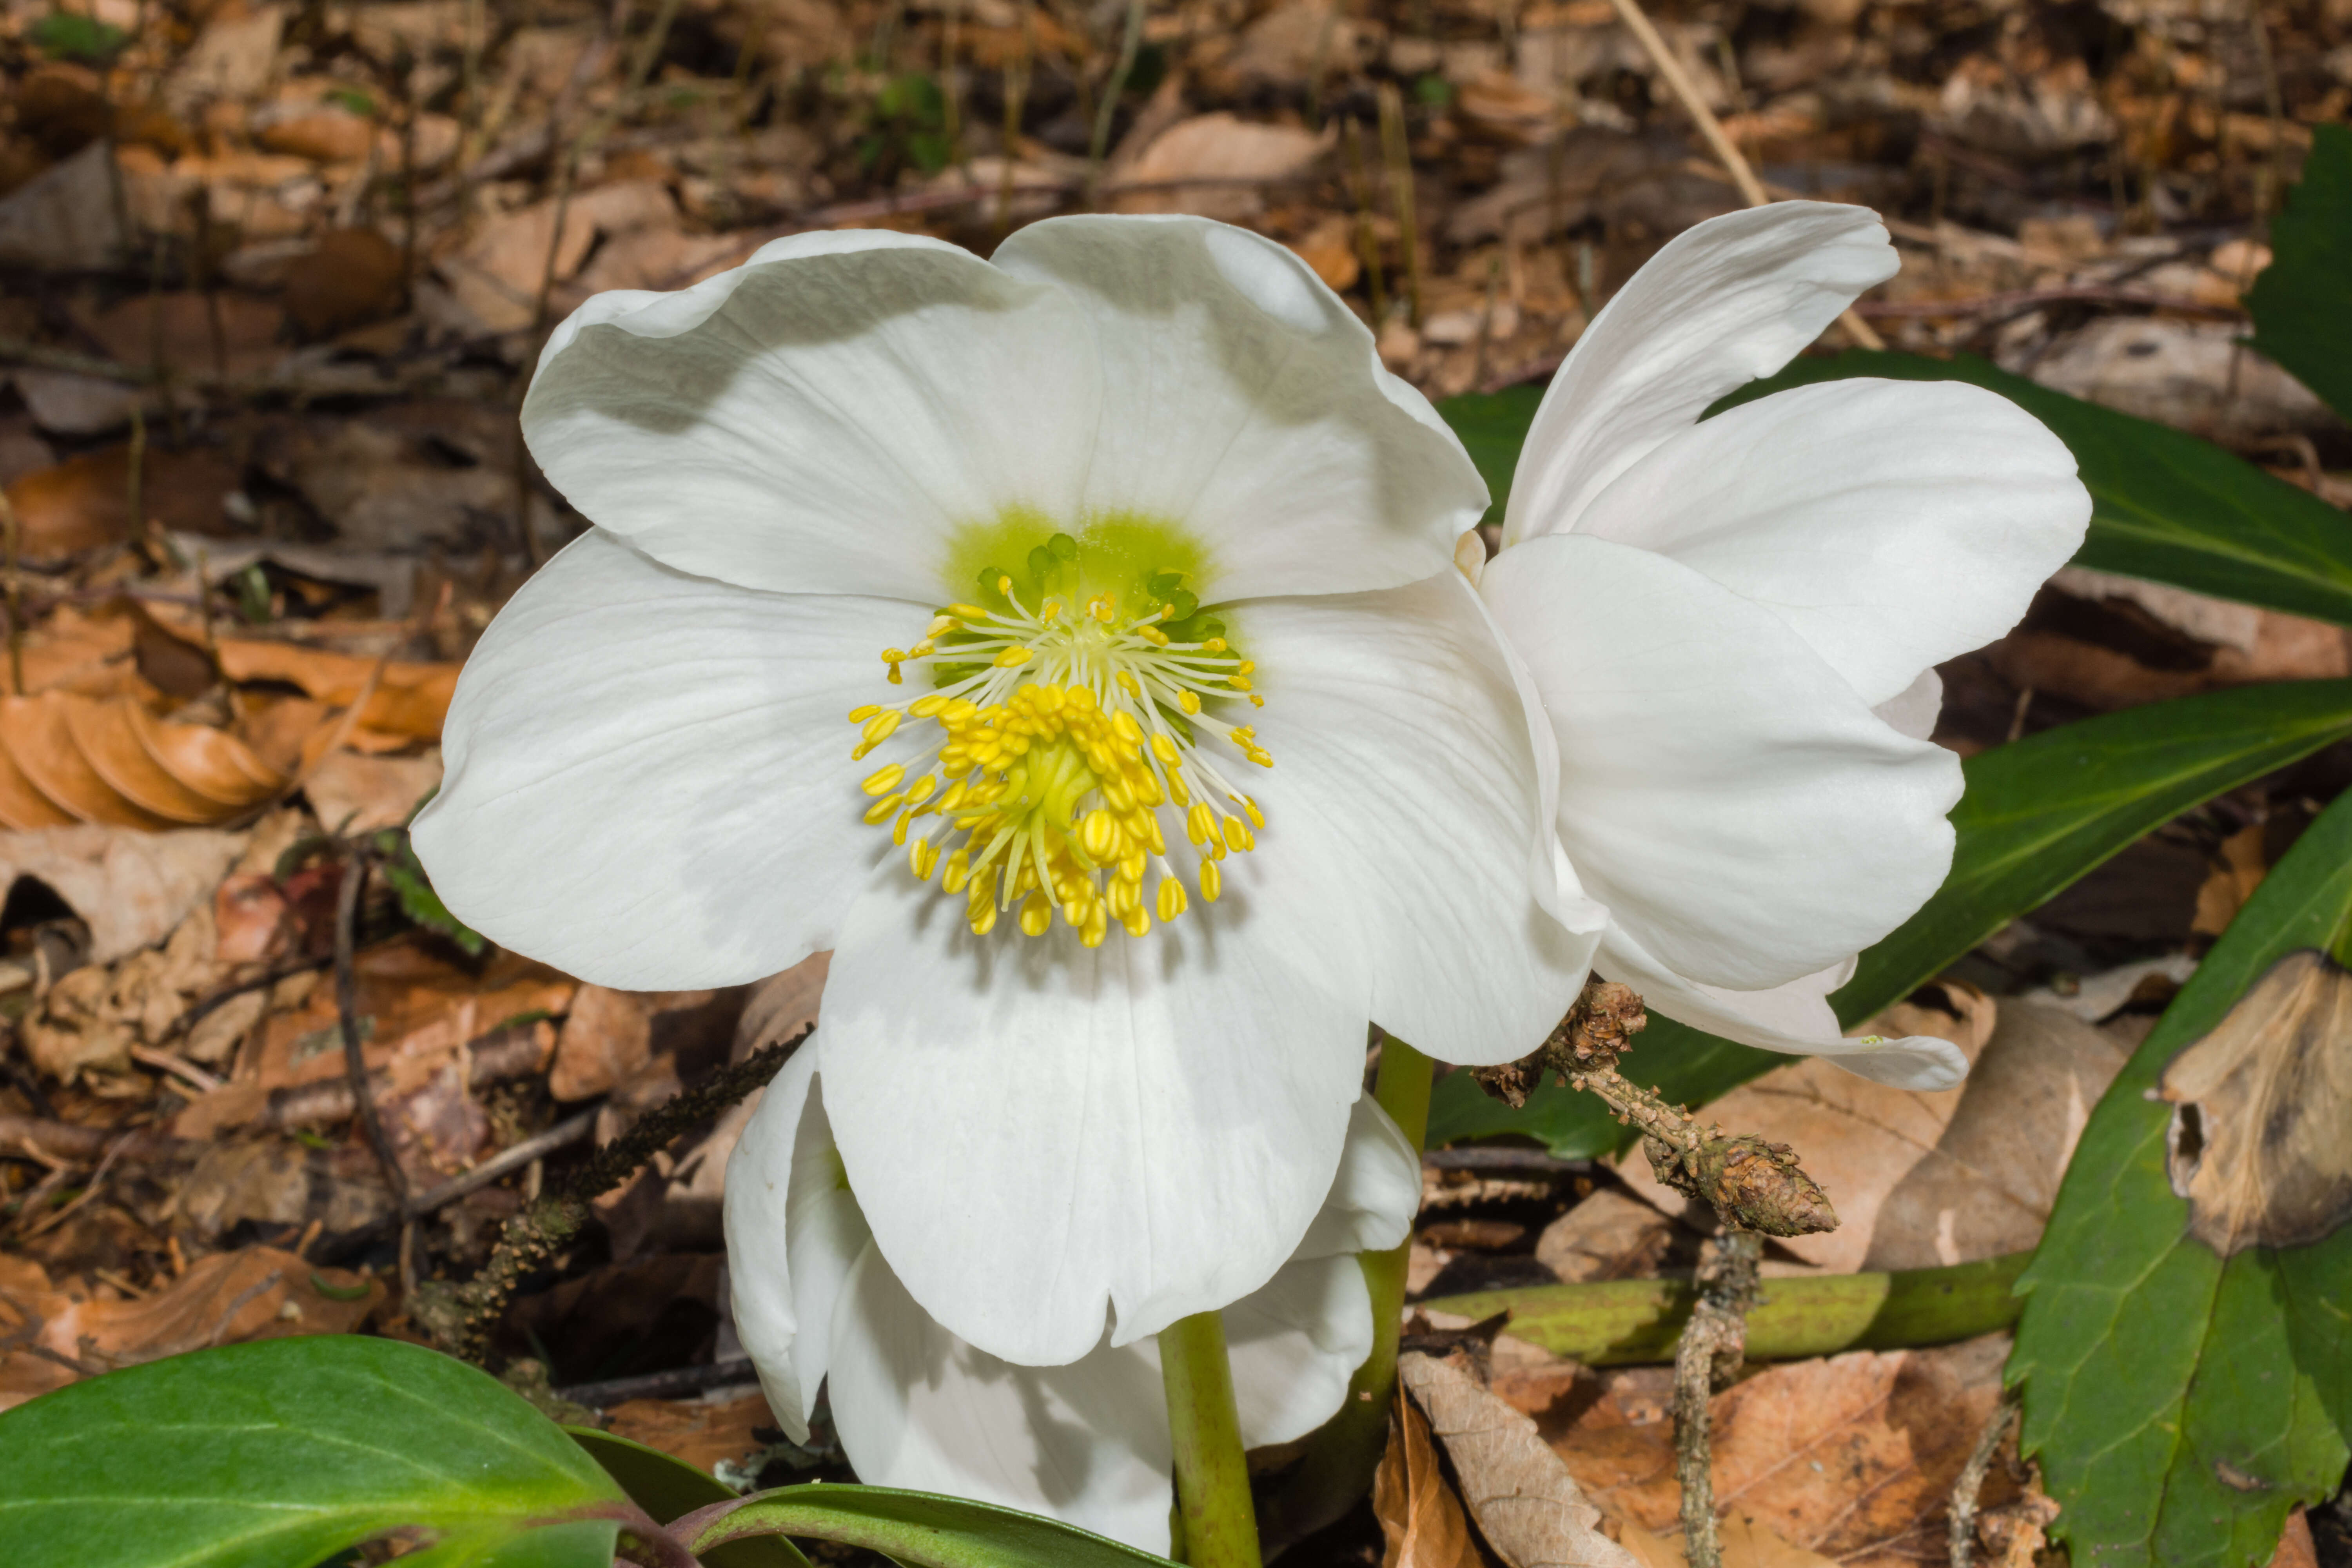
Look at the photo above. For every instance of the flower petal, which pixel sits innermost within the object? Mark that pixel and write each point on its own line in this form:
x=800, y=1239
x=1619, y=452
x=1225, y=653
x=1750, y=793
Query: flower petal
x=823, y=417
x=1374, y=1196
x=1892, y=523
x=1042, y=1134
x=1241, y=396
x=1914, y=709
x=649, y=782
x=758, y=1263
x=1295, y=1344
x=919, y=1408
x=1794, y=1017
x=1742, y=813
x=1401, y=808
x=1724, y=302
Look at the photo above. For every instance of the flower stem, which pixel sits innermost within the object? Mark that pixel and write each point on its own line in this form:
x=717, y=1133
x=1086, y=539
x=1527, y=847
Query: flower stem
x=1340, y=1458
x=1212, y=1492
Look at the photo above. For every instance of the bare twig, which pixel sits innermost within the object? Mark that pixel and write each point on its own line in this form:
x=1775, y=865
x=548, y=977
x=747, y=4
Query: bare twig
x=1713, y=1345
x=347, y=1006
x=563, y=1135
x=97, y=1181
x=1686, y=91
x=1396, y=151
x=676, y=1384
x=1130, y=42
x=1960, y=1535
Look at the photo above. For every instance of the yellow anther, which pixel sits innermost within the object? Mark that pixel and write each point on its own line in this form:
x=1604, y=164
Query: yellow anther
x=894, y=656
x=1246, y=667
x=1214, y=645
x=882, y=781
x=1096, y=927
x=1249, y=808
x=1050, y=611
x=859, y=715
x=1131, y=869
x=1212, y=882
x=1200, y=822
x=1152, y=635
x=958, y=871
x=966, y=612
x=1129, y=684
x=1012, y=658
x=1255, y=700
x=1004, y=584
x=1176, y=790
x=882, y=808
x=1188, y=700
x=877, y=729
x=984, y=919
x=925, y=707
x=1172, y=898
x=1237, y=835
x=1037, y=914
x=920, y=858
x=1238, y=683
x=1164, y=748
x=1137, y=920
x=940, y=626
x=921, y=790
x=899, y=828
x=1099, y=836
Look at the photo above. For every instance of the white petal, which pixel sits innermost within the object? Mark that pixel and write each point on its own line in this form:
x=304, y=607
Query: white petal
x=1914, y=709
x=649, y=782
x=1794, y=1017
x=1403, y=810
x=822, y=418
x=1295, y=1344
x=1742, y=813
x=825, y=1234
x=1241, y=396
x=919, y=1408
x=1374, y=1196
x=1043, y=1135
x=759, y=1265
x=1724, y=302
x=1892, y=523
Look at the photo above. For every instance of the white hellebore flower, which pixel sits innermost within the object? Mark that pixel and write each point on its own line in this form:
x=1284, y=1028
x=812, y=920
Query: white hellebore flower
x=915, y=1407
x=951, y=614
x=1732, y=626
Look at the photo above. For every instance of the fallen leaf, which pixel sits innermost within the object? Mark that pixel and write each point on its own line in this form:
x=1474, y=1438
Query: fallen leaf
x=192, y=333
x=275, y=1181
x=259, y=1293
x=85, y=502
x=114, y=764
x=695, y=1430
x=410, y=699
x=133, y=889
x=1420, y=1518
x=1607, y=1236
x=1528, y=1505
x=2260, y=1106
x=1231, y=159
x=606, y=1037
x=352, y=276
x=354, y=794
x=1851, y=1456
x=65, y=219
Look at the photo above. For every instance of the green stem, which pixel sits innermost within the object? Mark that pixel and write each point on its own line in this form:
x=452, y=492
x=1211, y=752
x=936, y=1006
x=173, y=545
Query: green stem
x=1213, y=1491
x=1340, y=1458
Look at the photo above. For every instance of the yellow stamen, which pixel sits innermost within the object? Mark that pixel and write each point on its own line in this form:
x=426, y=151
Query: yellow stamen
x=882, y=781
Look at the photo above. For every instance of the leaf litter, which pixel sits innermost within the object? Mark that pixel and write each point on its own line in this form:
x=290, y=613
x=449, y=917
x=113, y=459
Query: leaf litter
x=282, y=277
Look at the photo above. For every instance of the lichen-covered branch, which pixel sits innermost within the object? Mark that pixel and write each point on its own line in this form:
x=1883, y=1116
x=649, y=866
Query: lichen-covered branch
x=1713, y=1346
x=460, y=1318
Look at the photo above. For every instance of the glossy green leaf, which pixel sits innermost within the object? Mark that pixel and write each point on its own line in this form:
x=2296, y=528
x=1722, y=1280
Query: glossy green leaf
x=2181, y=1404
x=1492, y=426
x=2164, y=506
x=922, y=1531
x=667, y=1488
x=2037, y=814
x=2302, y=303
x=284, y=1451
x=2042, y=811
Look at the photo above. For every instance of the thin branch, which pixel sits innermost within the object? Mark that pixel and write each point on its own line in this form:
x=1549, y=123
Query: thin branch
x=347, y=1003
x=1686, y=91
x=1713, y=1346
x=1960, y=1535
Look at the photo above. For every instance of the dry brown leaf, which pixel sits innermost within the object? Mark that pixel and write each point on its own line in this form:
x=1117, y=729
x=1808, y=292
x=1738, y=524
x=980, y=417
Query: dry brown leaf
x=133, y=889
x=2260, y=1106
x=259, y=1293
x=1923, y=1179
x=356, y=793
x=1607, y=1236
x=1420, y=1518
x=700, y=1433
x=1229, y=156
x=1851, y=1456
x=114, y=764
x=606, y=1037
x=1745, y=1542
x=352, y=277
x=85, y=502
x=1528, y=1505
x=410, y=699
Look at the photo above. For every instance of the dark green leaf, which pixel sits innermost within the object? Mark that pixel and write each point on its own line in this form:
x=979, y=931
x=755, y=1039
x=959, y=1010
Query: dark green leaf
x=282, y=1452
x=69, y=35
x=1493, y=427
x=401, y=868
x=2181, y=1405
x=2302, y=304
x=2164, y=506
x=2042, y=811
x=922, y=1531
x=667, y=1487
